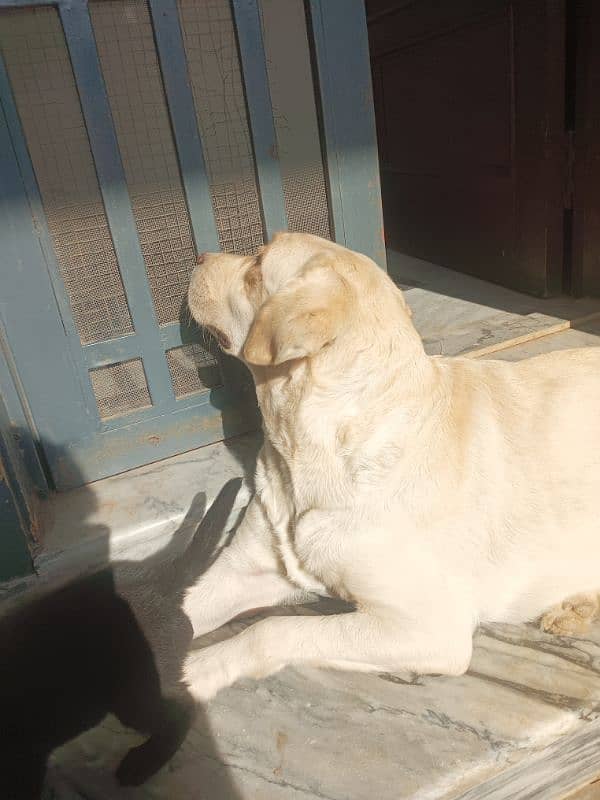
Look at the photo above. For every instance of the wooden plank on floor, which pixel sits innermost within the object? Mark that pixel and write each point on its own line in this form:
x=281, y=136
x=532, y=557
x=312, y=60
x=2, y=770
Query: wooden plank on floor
x=532, y=335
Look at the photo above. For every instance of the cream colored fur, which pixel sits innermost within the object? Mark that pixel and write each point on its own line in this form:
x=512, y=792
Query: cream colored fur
x=433, y=493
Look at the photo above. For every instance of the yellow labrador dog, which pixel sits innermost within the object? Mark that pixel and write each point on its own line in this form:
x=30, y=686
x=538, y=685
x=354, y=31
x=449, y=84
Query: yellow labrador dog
x=432, y=493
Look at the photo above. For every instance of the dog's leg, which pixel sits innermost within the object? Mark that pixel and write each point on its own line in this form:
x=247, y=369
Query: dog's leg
x=247, y=575
x=354, y=641
x=573, y=615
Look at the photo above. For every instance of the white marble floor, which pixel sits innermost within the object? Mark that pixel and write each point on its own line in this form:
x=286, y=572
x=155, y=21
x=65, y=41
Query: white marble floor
x=522, y=723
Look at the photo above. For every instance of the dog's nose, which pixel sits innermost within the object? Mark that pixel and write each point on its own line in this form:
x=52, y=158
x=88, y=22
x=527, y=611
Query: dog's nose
x=200, y=258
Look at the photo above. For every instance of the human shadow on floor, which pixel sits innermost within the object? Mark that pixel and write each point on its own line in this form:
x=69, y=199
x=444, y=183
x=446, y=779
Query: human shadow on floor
x=109, y=642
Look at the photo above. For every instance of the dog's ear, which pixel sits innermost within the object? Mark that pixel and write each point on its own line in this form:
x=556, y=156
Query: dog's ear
x=301, y=319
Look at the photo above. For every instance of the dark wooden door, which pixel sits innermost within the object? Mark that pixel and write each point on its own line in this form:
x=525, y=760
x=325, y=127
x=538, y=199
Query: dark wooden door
x=469, y=99
x=586, y=147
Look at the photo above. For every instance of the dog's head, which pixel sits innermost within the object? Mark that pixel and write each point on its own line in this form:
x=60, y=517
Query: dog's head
x=292, y=300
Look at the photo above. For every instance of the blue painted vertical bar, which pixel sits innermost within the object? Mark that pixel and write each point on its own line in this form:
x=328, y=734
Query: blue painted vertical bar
x=180, y=100
x=27, y=325
x=98, y=119
x=260, y=112
x=30, y=184
x=344, y=75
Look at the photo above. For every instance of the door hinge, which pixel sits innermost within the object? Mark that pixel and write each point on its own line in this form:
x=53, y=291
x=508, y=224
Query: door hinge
x=569, y=188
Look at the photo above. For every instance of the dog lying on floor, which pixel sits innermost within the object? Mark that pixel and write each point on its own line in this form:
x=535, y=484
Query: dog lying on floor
x=431, y=493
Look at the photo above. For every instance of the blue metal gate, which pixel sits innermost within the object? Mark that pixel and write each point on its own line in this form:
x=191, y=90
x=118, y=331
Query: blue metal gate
x=133, y=135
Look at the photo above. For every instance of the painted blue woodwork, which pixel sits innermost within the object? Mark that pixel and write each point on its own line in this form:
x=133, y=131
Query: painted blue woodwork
x=17, y=138
x=171, y=54
x=31, y=318
x=49, y=367
x=79, y=447
x=344, y=76
x=103, y=140
x=260, y=113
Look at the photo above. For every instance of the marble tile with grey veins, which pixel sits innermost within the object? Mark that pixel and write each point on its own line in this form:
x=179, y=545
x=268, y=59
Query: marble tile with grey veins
x=585, y=335
x=133, y=515
x=496, y=732
x=456, y=313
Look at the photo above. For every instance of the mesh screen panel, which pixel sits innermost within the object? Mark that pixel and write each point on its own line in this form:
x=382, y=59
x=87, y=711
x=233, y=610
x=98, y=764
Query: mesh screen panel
x=193, y=368
x=120, y=388
x=123, y=30
x=306, y=200
x=214, y=70
x=39, y=69
x=295, y=115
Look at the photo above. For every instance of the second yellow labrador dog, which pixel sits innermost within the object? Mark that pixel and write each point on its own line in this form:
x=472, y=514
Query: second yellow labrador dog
x=432, y=493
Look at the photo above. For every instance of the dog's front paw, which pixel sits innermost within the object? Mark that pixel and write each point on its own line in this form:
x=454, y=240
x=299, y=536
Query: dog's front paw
x=205, y=672
x=574, y=615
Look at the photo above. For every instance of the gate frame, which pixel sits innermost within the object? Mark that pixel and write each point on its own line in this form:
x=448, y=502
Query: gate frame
x=338, y=41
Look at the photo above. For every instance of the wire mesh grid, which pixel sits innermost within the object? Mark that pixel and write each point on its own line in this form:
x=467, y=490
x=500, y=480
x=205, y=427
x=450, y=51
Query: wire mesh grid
x=193, y=368
x=215, y=75
x=306, y=201
x=120, y=388
x=41, y=76
x=125, y=41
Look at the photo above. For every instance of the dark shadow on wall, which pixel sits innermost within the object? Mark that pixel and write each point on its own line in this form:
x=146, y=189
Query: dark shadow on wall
x=109, y=642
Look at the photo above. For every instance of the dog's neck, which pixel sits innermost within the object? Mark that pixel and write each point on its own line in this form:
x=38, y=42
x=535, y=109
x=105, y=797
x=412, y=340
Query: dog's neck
x=329, y=410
